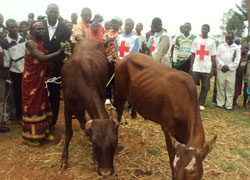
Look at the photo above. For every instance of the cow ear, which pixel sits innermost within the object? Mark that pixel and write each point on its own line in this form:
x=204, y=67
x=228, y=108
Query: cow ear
x=174, y=142
x=208, y=147
x=88, y=127
x=114, y=115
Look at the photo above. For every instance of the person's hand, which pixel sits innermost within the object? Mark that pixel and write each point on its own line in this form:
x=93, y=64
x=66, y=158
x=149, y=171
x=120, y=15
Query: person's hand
x=65, y=48
x=9, y=81
x=78, y=37
x=225, y=68
x=110, y=39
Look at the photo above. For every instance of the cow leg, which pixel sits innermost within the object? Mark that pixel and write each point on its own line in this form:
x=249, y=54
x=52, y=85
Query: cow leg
x=171, y=150
x=119, y=107
x=133, y=113
x=68, y=136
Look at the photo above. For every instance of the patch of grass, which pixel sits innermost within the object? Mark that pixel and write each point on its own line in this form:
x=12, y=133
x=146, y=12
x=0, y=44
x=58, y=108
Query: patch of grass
x=3, y=152
x=76, y=130
x=227, y=166
x=15, y=132
x=243, y=153
x=135, y=132
x=153, y=150
x=71, y=147
x=90, y=152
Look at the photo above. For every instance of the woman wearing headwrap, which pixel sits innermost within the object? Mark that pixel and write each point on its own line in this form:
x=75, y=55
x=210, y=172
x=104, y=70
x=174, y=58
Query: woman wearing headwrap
x=95, y=33
x=37, y=113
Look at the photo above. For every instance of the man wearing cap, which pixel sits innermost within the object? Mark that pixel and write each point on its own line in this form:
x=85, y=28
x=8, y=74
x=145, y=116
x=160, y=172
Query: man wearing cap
x=82, y=29
x=161, y=43
x=237, y=41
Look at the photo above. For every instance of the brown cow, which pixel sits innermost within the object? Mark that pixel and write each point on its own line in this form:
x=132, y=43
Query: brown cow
x=169, y=98
x=84, y=78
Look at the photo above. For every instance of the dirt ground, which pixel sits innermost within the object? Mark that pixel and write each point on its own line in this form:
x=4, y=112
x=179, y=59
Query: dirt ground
x=141, y=152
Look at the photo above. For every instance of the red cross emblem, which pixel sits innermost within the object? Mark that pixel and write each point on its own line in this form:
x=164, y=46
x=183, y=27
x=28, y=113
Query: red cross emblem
x=152, y=46
x=202, y=52
x=123, y=48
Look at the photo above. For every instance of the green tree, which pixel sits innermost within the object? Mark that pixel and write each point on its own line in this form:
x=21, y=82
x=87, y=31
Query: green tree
x=225, y=19
x=235, y=21
x=236, y=24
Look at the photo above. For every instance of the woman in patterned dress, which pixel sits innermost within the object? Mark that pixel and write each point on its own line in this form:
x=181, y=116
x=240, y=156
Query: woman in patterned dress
x=37, y=114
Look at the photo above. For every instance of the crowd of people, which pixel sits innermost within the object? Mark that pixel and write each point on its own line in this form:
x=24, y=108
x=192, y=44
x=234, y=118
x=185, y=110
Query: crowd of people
x=31, y=52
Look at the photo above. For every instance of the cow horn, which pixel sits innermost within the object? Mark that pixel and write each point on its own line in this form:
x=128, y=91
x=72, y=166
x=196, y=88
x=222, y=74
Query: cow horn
x=88, y=125
x=87, y=117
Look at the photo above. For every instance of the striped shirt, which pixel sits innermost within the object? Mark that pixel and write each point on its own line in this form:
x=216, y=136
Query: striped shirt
x=14, y=51
x=182, y=49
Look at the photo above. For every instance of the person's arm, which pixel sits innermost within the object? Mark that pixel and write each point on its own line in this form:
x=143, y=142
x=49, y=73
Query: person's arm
x=136, y=46
x=191, y=63
x=107, y=41
x=213, y=69
x=213, y=59
x=236, y=61
x=77, y=33
x=219, y=61
x=193, y=51
x=6, y=62
x=38, y=55
x=162, y=48
x=176, y=50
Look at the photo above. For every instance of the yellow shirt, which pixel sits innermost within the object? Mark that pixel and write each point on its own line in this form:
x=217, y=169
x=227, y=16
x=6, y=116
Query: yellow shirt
x=82, y=29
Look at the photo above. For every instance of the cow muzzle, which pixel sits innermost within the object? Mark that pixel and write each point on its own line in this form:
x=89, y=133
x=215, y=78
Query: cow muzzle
x=105, y=172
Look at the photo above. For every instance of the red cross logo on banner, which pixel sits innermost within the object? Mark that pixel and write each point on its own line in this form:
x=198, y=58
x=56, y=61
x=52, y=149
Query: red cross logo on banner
x=202, y=52
x=123, y=48
x=152, y=46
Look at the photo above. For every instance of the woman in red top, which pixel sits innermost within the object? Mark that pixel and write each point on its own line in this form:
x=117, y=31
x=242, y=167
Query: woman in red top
x=36, y=108
x=95, y=34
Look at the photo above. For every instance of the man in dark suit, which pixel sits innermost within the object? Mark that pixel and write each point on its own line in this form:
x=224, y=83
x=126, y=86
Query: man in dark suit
x=55, y=32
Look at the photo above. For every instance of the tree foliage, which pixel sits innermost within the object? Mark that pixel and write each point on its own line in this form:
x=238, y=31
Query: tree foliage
x=234, y=21
x=236, y=25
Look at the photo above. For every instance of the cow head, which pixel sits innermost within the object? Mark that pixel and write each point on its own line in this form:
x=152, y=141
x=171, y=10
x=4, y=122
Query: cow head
x=187, y=162
x=104, y=138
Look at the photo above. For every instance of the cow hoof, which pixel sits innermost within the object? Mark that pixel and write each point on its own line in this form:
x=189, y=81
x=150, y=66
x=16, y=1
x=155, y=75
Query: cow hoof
x=63, y=167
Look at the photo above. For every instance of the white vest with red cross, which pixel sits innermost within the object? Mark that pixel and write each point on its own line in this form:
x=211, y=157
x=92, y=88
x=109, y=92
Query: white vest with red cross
x=155, y=44
x=125, y=45
x=204, y=49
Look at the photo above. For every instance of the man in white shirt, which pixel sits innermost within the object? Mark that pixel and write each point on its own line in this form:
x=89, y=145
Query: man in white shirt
x=14, y=50
x=203, y=65
x=227, y=59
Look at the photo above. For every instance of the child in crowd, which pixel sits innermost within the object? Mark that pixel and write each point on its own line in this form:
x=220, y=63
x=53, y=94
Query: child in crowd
x=240, y=72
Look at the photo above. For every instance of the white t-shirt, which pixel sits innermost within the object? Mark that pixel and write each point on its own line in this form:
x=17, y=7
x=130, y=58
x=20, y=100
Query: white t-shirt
x=204, y=49
x=142, y=40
